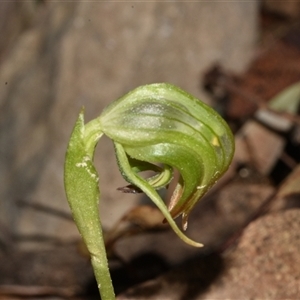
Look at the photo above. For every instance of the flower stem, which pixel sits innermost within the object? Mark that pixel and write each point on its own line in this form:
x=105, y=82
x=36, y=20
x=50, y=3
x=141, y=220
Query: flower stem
x=101, y=270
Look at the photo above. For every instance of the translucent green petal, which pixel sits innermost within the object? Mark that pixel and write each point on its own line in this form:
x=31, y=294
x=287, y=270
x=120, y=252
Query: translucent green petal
x=160, y=123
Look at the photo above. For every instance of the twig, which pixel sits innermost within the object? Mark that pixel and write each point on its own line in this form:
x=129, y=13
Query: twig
x=45, y=209
x=34, y=291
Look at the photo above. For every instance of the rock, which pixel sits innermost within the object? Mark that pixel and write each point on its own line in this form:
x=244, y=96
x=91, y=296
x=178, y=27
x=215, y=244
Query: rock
x=77, y=54
x=14, y=19
x=264, y=265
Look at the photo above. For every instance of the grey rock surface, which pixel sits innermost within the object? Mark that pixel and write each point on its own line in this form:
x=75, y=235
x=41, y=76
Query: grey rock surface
x=87, y=53
x=264, y=265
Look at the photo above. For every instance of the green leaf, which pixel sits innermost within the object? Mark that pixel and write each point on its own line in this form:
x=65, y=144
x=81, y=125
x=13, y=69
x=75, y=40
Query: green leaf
x=81, y=185
x=288, y=100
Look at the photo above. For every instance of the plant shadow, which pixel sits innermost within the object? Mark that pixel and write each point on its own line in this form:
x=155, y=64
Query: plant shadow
x=149, y=276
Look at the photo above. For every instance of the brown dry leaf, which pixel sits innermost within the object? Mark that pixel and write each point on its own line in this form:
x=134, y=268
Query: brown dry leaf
x=291, y=184
x=259, y=147
x=145, y=216
x=289, y=192
x=140, y=219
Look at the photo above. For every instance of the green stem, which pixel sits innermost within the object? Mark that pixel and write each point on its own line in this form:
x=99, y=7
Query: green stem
x=96, y=245
x=101, y=270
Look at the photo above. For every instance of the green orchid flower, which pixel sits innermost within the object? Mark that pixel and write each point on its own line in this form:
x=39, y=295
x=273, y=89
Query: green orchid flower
x=156, y=127
x=161, y=123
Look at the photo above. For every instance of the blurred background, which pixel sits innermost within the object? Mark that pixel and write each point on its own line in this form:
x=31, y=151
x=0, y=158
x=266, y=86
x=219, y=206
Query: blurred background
x=56, y=57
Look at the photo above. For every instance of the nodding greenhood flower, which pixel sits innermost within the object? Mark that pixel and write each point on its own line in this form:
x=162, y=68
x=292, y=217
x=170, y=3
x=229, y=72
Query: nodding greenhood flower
x=162, y=128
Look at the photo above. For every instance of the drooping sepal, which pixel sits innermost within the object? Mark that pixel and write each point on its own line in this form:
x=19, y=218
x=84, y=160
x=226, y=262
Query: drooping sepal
x=150, y=191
